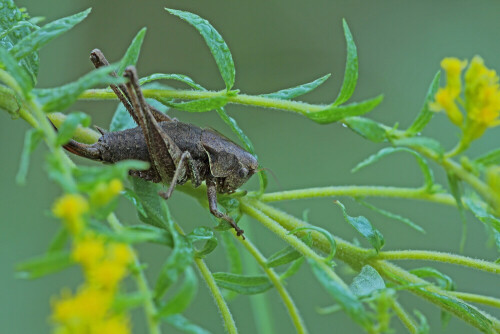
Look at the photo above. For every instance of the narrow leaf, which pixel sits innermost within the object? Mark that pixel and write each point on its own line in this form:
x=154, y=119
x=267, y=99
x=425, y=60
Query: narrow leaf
x=124, y=302
x=152, y=204
x=283, y=256
x=44, y=265
x=343, y=296
x=200, y=105
x=59, y=98
x=31, y=140
x=491, y=222
x=423, y=325
x=132, y=53
x=218, y=48
x=242, y=284
x=351, y=68
x=368, y=281
x=392, y=216
x=178, y=77
x=181, y=300
x=38, y=38
x=456, y=192
x=425, y=114
x=328, y=236
x=490, y=158
x=336, y=113
x=365, y=228
x=424, y=166
x=203, y=234
x=67, y=129
x=444, y=281
x=419, y=143
x=184, y=325
x=18, y=73
x=59, y=241
x=290, y=93
x=367, y=128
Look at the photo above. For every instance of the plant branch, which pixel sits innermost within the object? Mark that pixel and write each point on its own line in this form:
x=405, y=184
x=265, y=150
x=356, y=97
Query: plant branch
x=404, y=317
x=474, y=298
x=278, y=284
x=440, y=257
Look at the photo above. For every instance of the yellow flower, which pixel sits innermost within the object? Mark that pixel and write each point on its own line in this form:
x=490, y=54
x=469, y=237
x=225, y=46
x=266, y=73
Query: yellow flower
x=113, y=325
x=120, y=253
x=88, y=250
x=88, y=305
x=71, y=208
x=107, y=274
x=444, y=100
x=453, y=68
x=105, y=192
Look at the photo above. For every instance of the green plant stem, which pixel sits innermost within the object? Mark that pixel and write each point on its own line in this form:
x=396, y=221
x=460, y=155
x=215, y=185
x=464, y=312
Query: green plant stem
x=150, y=310
x=404, y=317
x=440, y=257
x=257, y=101
x=359, y=191
x=474, y=298
x=357, y=257
x=275, y=279
x=216, y=293
x=24, y=114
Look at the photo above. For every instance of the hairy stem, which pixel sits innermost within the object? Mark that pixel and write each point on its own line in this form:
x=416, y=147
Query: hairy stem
x=275, y=279
x=474, y=298
x=440, y=257
x=404, y=317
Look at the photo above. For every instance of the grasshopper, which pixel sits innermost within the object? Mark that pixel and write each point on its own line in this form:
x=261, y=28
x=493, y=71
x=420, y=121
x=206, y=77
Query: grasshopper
x=177, y=151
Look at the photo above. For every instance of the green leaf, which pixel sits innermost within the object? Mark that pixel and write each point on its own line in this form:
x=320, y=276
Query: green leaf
x=283, y=256
x=368, y=281
x=218, y=48
x=132, y=53
x=66, y=131
x=425, y=114
x=490, y=158
x=200, y=105
x=290, y=93
x=336, y=113
x=18, y=73
x=124, y=302
x=38, y=38
x=421, y=143
x=59, y=241
x=89, y=177
x=292, y=269
x=181, y=300
x=392, y=216
x=14, y=26
x=44, y=265
x=31, y=140
x=184, y=325
x=138, y=234
x=351, y=68
x=424, y=166
x=203, y=234
x=490, y=221
x=456, y=192
x=367, y=128
x=423, y=325
x=59, y=98
x=181, y=257
x=365, y=228
x=469, y=313
x=242, y=284
x=347, y=300
x=178, y=77
x=444, y=281
x=154, y=206
x=328, y=236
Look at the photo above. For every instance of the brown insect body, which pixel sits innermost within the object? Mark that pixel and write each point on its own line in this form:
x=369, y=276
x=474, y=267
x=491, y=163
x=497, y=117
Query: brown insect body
x=177, y=151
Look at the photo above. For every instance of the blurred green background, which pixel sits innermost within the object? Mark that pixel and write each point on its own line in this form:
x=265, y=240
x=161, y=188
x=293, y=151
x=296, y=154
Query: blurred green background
x=275, y=45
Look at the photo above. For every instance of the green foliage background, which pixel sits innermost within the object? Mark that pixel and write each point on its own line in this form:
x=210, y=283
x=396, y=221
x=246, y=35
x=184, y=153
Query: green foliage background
x=275, y=45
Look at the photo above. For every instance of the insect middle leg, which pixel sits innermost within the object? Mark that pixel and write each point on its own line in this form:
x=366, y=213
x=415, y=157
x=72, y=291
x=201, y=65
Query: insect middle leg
x=212, y=204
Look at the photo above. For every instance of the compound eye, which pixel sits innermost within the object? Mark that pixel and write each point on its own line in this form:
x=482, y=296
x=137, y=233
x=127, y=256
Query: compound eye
x=243, y=172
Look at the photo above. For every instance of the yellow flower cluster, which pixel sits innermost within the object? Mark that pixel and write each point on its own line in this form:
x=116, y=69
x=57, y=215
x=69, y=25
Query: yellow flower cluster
x=104, y=263
x=482, y=97
x=89, y=310
x=105, y=192
x=71, y=208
